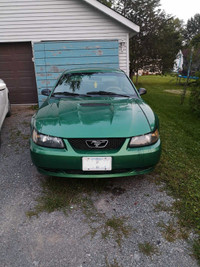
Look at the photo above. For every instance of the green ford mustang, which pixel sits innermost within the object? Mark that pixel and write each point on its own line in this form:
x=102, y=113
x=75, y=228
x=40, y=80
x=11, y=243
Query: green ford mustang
x=94, y=124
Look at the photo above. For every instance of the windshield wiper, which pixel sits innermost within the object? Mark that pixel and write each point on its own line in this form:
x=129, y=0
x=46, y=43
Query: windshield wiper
x=106, y=93
x=69, y=94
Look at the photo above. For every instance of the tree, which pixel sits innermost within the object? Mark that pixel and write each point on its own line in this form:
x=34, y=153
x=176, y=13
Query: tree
x=159, y=39
x=106, y=2
x=191, y=65
x=196, y=40
x=169, y=42
x=192, y=27
x=195, y=92
x=192, y=42
x=145, y=14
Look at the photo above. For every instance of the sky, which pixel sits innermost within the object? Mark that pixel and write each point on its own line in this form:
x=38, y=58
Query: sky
x=181, y=9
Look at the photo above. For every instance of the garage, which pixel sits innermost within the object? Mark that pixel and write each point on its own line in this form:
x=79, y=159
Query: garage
x=40, y=39
x=17, y=70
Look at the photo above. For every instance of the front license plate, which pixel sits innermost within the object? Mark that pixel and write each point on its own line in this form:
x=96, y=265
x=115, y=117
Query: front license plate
x=96, y=163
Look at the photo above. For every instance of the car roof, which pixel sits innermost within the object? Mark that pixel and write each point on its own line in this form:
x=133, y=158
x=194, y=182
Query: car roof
x=103, y=70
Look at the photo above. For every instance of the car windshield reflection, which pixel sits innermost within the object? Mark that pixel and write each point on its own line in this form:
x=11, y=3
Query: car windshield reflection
x=95, y=83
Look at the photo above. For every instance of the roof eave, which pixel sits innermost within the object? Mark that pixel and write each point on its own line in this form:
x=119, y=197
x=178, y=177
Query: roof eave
x=121, y=19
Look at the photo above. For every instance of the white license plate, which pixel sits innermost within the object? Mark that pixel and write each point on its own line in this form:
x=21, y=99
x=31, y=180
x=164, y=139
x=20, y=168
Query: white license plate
x=96, y=163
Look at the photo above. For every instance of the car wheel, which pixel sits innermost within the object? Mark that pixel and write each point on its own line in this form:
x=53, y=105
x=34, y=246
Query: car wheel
x=9, y=109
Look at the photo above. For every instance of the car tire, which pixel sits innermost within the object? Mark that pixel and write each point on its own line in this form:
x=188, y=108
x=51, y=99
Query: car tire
x=9, y=109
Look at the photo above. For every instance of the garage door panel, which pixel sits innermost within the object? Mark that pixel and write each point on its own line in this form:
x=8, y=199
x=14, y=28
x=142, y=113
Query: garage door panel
x=5, y=67
x=44, y=83
x=15, y=59
x=75, y=45
x=17, y=70
x=76, y=61
x=25, y=73
x=23, y=52
x=49, y=75
x=22, y=48
x=24, y=66
x=25, y=82
x=24, y=91
x=49, y=69
x=24, y=96
x=59, y=69
x=4, y=58
x=23, y=58
x=76, y=53
x=7, y=74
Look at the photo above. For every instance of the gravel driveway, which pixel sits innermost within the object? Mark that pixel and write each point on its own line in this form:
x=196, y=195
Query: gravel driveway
x=129, y=223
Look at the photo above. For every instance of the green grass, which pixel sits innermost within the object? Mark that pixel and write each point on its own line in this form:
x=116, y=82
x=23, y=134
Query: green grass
x=172, y=231
x=118, y=227
x=64, y=194
x=114, y=264
x=179, y=167
x=147, y=248
x=34, y=107
x=161, y=206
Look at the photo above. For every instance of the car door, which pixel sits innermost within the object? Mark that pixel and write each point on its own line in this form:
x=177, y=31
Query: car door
x=3, y=101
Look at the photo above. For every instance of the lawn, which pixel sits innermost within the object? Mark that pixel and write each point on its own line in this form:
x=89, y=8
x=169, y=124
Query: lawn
x=179, y=167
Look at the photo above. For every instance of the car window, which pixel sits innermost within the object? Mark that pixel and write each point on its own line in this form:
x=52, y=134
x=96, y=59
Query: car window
x=83, y=83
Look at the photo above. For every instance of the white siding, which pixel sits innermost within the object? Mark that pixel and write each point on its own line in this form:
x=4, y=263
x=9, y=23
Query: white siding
x=47, y=20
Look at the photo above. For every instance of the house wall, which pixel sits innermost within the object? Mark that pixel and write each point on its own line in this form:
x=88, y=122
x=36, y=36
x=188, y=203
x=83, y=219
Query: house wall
x=48, y=20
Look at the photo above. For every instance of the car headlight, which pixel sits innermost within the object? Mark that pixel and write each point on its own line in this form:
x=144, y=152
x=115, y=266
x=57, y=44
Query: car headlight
x=144, y=140
x=46, y=140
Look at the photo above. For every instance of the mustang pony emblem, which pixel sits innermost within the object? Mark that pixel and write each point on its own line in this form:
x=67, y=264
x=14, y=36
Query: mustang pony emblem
x=97, y=143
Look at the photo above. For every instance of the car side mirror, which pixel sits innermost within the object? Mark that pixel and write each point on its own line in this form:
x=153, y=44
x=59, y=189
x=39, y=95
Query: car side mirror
x=46, y=92
x=142, y=91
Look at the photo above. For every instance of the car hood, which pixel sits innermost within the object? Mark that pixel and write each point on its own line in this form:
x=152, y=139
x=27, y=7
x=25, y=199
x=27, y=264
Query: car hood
x=96, y=118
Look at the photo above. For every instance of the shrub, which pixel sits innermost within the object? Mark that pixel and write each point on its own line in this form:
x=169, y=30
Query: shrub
x=195, y=97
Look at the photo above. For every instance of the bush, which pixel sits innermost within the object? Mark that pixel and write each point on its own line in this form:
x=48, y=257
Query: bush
x=195, y=97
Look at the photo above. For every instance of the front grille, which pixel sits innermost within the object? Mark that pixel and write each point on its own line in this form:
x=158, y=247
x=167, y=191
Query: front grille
x=80, y=143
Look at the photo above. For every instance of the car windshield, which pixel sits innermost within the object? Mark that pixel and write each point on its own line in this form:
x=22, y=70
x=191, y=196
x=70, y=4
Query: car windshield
x=94, y=83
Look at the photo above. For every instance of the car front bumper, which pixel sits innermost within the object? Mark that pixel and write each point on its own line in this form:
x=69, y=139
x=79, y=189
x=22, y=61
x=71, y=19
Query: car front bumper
x=68, y=162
